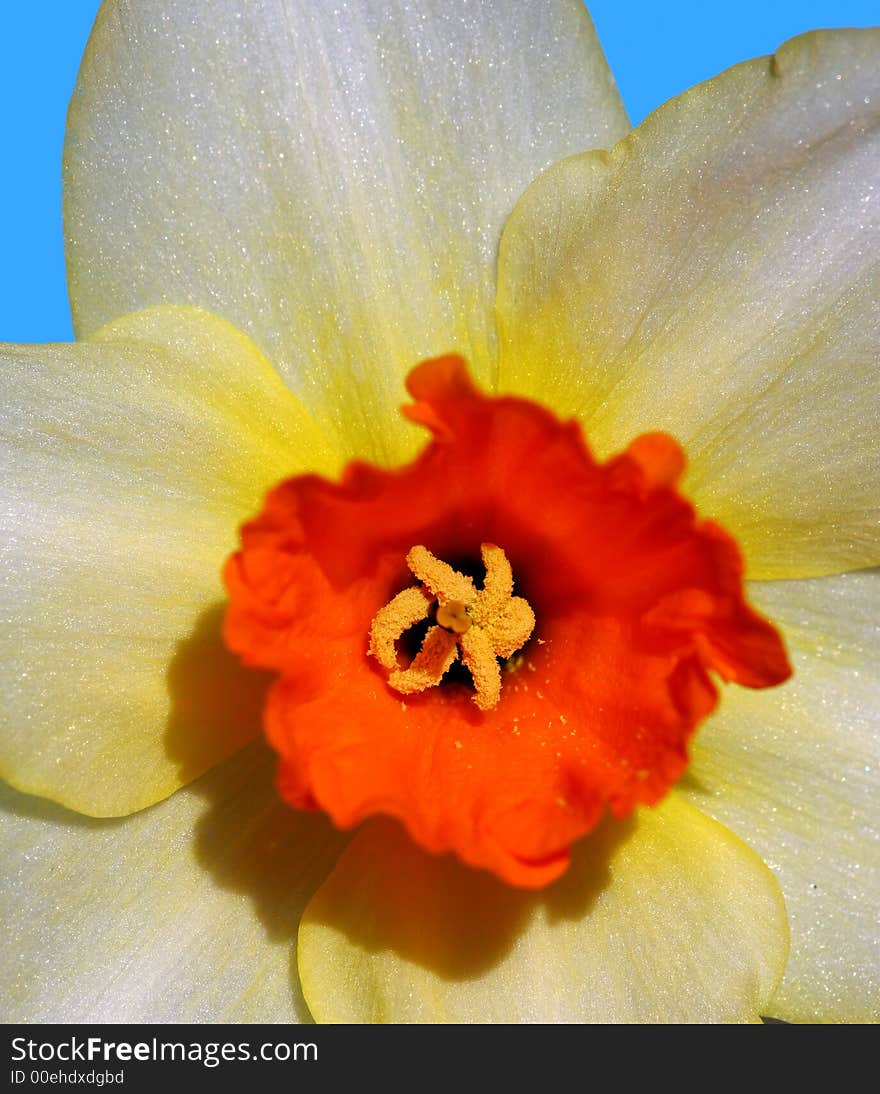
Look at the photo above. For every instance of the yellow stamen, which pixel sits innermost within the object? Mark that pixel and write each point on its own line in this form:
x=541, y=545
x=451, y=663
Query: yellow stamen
x=512, y=627
x=498, y=586
x=483, y=624
x=479, y=656
x=430, y=663
x=439, y=577
x=390, y=622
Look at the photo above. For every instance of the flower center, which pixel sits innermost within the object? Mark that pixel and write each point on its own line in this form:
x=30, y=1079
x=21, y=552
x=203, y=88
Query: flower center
x=480, y=624
x=641, y=603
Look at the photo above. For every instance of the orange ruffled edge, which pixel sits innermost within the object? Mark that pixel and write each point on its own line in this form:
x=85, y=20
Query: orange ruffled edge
x=636, y=602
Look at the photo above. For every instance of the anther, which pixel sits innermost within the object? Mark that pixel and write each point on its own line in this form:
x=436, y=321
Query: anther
x=482, y=625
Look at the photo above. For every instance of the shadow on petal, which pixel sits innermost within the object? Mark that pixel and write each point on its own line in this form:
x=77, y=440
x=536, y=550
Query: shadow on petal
x=387, y=894
x=17, y=803
x=216, y=703
x=250, y=842
x=690, y=782
x=574, y=894
x=253, y=843
x=246, y=839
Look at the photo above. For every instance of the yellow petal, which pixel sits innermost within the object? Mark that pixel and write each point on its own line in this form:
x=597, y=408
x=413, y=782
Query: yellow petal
x=129, y=462
x=796, y=773
x=332, y=178
x=183, y=913
x=667, y=918
x=716, y=276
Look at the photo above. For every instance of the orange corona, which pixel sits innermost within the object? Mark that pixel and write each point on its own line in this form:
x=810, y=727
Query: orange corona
x=580, y=692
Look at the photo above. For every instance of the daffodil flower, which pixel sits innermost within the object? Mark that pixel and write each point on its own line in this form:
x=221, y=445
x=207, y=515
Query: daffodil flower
x=270, y=224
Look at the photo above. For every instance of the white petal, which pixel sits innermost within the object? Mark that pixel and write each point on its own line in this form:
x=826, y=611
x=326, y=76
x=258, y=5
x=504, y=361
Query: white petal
x=796, y=773
x=183, y=913
x=663, y=918
x=331, y=178
x=717, y=277
x=129, y=464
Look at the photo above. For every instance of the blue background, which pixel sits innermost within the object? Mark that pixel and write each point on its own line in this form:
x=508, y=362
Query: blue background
x=656, y=50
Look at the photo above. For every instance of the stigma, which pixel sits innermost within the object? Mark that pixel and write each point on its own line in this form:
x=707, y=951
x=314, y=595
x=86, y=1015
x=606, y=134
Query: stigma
x=480, y=625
